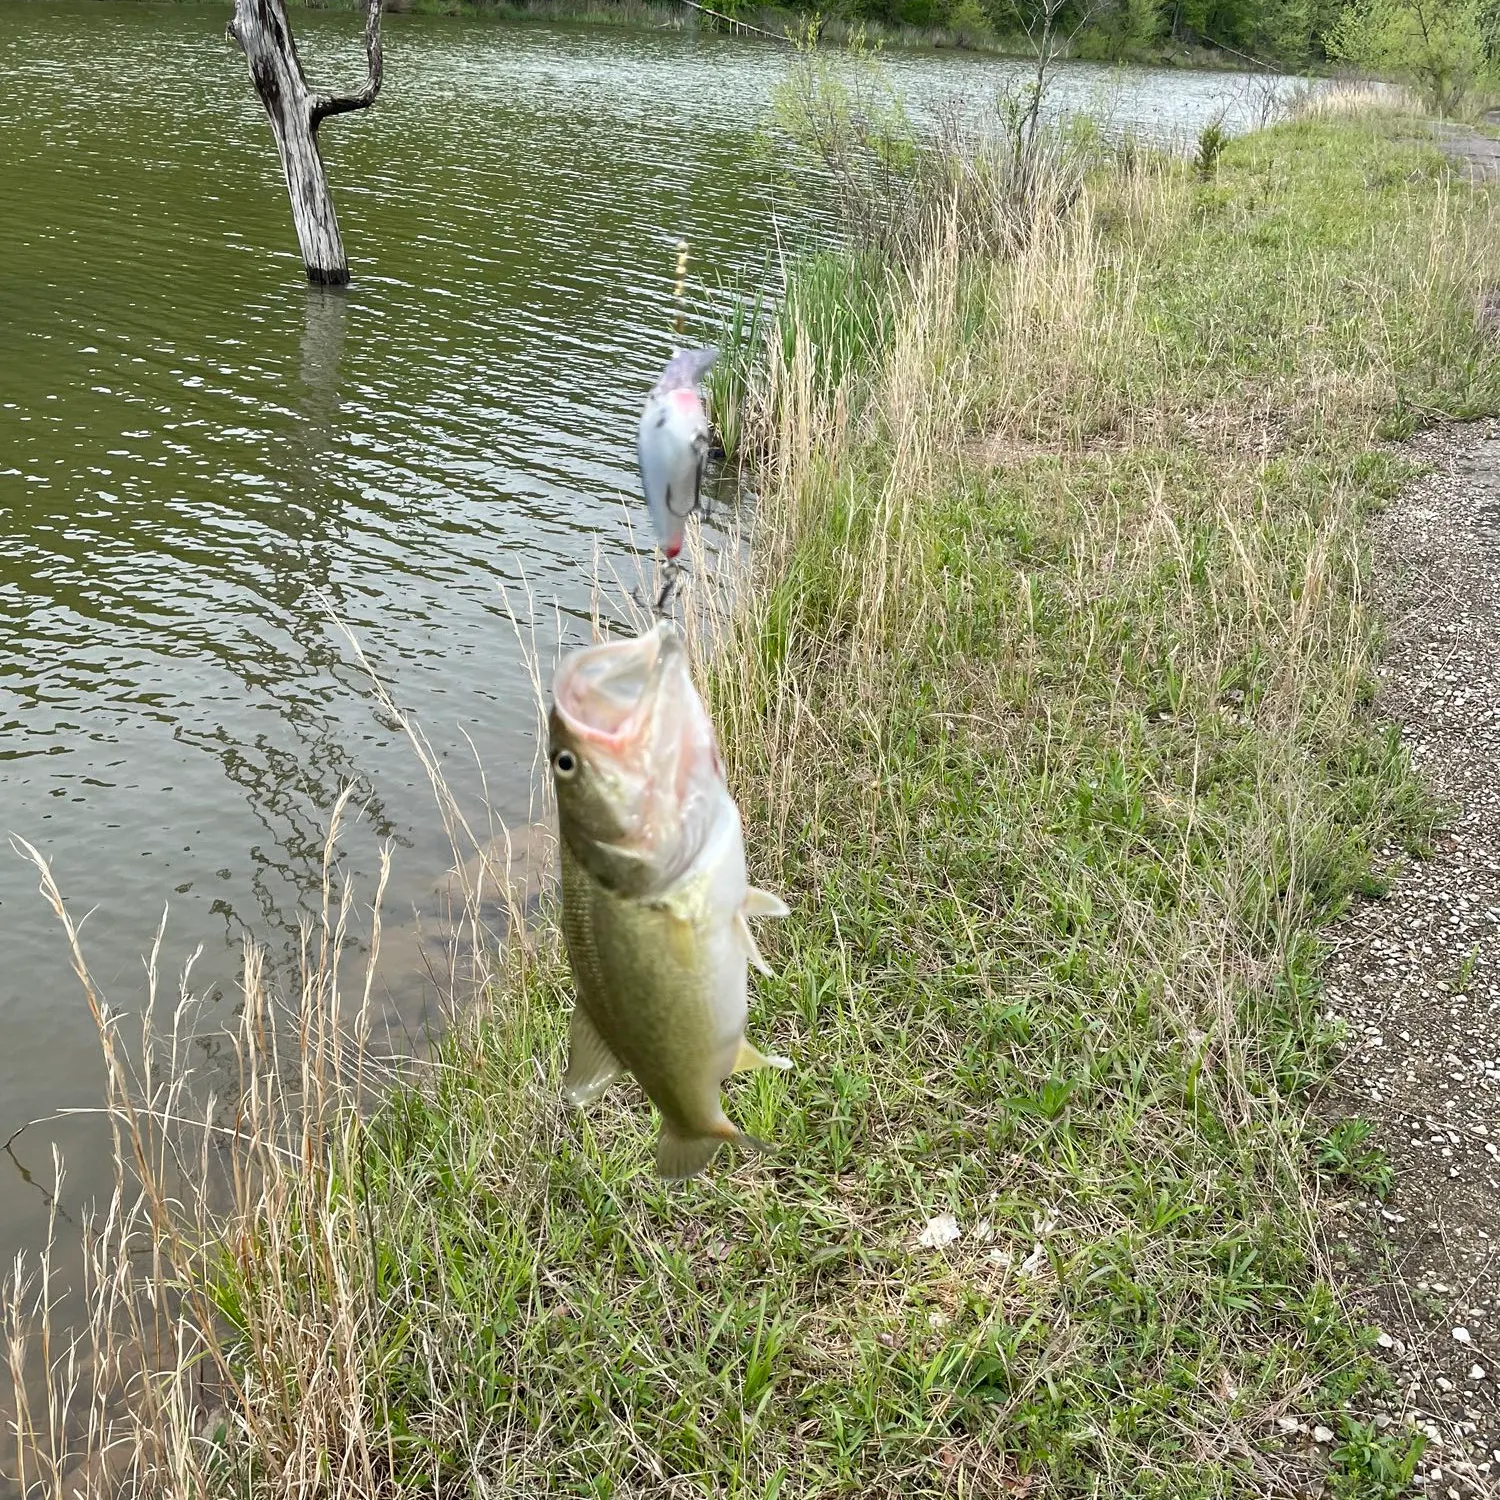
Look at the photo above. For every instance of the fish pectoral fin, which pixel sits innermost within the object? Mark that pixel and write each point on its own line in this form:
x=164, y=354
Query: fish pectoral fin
x=750, y=1057
x=681, y=931
x=592, y=1067
x=748, y=943
x=682, y=1156
x=759, y=903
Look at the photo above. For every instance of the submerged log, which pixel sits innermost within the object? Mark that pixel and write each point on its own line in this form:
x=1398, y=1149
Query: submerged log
x=261, y=30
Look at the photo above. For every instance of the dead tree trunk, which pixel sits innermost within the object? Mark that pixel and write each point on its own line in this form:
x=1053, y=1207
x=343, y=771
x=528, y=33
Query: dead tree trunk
x=264, y=35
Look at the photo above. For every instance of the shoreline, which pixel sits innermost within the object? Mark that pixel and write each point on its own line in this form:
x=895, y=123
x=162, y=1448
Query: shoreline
x=775, y=21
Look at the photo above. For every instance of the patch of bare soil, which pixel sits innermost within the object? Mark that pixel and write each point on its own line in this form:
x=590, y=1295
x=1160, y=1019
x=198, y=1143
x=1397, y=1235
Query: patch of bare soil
x=1416, y=979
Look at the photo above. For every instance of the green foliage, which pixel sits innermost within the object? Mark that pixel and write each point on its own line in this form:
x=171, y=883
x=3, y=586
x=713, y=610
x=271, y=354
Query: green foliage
x=1143, y=23
x=1437, y=47
x=1371, y=1464
x=1287, y=33
x=836, y=302
x=839, y=135
x=969, y=22
x=1346, y=1153
x=1212, y=140
x=1467, y=968
x=839, y=116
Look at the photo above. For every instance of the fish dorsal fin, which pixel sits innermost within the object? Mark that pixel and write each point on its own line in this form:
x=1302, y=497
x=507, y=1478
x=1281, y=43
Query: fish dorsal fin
x=759, y=903
x=750, y=1057
x=592, y=1067
x=747, y=941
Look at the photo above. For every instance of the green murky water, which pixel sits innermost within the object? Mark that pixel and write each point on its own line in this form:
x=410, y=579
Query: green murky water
x=197, y=451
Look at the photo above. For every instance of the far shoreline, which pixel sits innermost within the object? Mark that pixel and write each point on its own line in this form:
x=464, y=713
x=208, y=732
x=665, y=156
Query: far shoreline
x=775, y=22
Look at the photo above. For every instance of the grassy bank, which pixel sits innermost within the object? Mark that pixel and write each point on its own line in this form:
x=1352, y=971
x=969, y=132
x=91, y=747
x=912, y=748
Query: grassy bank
x=1046, y=702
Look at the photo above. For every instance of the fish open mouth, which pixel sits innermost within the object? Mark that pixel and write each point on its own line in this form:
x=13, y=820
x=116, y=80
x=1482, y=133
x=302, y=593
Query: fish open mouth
x=604, y=692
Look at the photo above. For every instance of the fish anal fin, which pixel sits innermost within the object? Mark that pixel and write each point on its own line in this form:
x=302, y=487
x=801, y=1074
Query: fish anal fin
x=759, y=903
x=750, y=1057
x=592, y=1067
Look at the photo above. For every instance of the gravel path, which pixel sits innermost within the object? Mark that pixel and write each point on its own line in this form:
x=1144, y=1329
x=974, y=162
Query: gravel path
x=1416, y=978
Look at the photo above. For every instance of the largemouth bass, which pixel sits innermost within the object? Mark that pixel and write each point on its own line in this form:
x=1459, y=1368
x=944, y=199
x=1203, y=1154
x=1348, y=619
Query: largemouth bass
x=655, y=897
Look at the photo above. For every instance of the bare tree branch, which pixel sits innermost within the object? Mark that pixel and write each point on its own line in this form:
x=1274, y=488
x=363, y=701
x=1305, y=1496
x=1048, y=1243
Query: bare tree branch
x=323, y=105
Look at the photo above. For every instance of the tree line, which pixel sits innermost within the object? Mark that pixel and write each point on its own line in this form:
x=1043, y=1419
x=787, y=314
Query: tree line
x=1458, y=37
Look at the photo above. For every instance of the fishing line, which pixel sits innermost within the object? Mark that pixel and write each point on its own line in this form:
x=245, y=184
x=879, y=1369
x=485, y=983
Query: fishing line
x=679, y=292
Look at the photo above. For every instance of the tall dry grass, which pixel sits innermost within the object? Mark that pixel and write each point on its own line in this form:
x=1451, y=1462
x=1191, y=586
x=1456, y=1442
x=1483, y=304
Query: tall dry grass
x=1346, y=98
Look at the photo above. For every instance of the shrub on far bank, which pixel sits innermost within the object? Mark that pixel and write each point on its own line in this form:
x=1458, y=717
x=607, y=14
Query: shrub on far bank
x=1443, y=49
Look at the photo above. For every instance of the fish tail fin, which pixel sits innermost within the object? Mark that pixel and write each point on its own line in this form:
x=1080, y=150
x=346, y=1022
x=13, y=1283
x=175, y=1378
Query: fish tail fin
x=681, y=1156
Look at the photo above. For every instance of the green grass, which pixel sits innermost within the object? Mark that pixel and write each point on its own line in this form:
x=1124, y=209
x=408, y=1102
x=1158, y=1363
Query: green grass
x=1048, y=707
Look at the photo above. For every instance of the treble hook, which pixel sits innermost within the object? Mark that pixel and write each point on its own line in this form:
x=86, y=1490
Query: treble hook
x=668, y=589
x=658, y=608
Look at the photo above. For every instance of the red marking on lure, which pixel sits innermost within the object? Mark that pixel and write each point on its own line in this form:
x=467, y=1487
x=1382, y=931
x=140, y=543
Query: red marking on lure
x=672, y=549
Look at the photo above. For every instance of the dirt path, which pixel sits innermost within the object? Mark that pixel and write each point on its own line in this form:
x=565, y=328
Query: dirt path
x=1416, y=978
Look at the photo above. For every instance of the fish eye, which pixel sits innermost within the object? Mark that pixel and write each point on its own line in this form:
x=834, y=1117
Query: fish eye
x=565, y=763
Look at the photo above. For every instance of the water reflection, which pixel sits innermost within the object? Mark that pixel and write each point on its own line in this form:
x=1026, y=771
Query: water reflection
x=324, y=331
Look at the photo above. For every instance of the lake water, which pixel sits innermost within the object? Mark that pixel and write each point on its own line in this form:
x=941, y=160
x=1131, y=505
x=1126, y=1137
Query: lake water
x=196, y=450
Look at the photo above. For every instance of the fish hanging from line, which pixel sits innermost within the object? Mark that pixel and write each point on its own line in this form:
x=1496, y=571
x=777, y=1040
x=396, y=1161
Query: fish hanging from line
x=656, y=902
x=672, y=446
